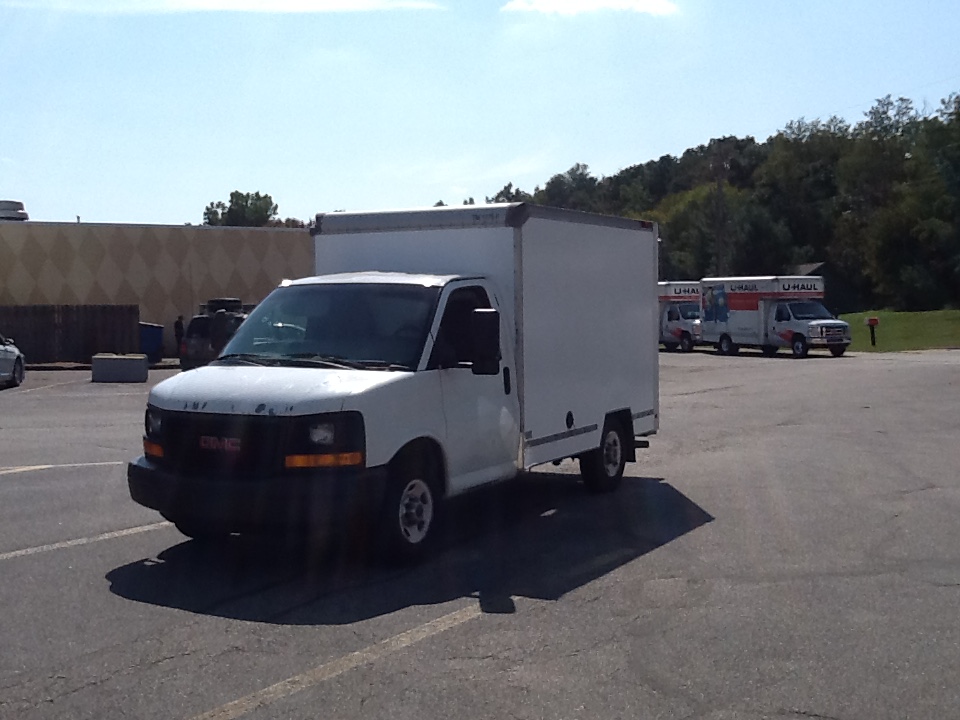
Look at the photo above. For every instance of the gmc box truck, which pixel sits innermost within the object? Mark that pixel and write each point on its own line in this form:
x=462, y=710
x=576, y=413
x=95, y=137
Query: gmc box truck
x=435, y=351
x=770, y=313
x=680, y=315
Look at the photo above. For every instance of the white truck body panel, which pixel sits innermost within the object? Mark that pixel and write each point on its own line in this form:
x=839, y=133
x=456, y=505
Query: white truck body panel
x=587, y=334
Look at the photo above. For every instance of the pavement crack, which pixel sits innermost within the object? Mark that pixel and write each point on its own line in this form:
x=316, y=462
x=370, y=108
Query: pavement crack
x=805, y=714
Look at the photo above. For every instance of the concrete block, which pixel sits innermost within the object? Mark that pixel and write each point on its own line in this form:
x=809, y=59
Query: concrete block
x=109, y=368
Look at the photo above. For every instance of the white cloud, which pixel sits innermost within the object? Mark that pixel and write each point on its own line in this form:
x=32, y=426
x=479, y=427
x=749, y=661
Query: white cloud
x=577, y=7
x=135, y=7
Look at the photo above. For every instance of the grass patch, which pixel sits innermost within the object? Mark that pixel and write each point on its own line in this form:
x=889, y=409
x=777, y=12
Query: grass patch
x=906, y=330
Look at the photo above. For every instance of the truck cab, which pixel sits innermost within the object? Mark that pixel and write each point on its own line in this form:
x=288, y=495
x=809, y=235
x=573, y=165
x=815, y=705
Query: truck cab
x=680, y=325
x=801, y=324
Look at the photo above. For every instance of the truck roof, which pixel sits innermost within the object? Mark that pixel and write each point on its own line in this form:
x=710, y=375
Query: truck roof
x=764, y=278
x=378, y=278
x=461, y=216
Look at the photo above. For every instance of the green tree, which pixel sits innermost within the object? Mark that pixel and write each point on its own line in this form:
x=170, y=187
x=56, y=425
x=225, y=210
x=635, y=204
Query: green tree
x=244, y=210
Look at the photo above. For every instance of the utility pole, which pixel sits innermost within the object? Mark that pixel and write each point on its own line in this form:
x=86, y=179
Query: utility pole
x=720, y=166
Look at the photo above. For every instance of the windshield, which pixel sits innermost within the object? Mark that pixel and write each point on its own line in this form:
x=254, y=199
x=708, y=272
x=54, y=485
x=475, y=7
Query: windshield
x=810, y=310
x=371, y=325
x=689, y=311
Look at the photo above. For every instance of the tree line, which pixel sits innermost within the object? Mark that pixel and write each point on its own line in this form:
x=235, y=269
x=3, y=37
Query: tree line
x=878, y=201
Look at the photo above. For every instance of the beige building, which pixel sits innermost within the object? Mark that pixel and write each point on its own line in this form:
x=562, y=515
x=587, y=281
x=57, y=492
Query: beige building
x=167, y=270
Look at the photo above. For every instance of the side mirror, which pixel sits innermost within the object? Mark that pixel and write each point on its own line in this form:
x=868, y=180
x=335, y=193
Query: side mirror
x=485, y=330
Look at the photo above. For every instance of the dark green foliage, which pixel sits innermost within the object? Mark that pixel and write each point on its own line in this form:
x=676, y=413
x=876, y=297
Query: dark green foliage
x=878, y=201
x=246, y=210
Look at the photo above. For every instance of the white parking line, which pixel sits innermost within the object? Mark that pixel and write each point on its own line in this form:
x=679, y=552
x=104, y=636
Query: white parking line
x=53, y=385
x=83, y=541
x=332, y=669
x=35, y=468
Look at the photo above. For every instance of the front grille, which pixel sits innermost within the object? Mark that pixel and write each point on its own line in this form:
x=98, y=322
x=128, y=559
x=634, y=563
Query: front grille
x=833, y=331
x=223, y=446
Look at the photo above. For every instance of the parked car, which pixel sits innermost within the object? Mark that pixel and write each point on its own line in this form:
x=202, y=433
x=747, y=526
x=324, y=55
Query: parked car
x=12, y=363
x=199, y=345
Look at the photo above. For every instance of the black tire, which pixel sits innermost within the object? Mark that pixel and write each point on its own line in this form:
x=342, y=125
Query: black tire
x=200, y=531
x=727, y=346
x=799, y=347
x=409, y=522
x=602, y=469
x=670, y=347
x=838, y=350
x=686, y=343
x=17, y=378
x=769, y=350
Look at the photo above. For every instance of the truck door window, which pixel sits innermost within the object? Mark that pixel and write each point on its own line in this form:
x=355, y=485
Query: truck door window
x=454, y=342
x=673, y=314
x=783, y=315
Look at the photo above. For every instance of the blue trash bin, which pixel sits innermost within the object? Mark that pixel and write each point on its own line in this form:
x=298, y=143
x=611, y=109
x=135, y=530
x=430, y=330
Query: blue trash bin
x=151, y=341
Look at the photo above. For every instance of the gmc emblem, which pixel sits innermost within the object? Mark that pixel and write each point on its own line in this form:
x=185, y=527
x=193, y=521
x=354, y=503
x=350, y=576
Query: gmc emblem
x=219, y=444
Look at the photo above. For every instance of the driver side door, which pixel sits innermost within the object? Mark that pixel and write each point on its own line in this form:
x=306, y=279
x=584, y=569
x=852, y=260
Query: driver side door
x=481, y=412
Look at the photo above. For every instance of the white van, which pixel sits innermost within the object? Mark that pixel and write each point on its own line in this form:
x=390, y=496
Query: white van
x=770, y=313
x=440, y=350
x=680, y=315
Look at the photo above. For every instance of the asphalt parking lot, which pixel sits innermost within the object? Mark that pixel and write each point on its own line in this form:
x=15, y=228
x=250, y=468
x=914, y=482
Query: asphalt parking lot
x=789, y=547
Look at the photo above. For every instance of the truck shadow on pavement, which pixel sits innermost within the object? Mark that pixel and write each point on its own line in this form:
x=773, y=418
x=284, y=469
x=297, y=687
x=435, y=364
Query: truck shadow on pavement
x=541, y=537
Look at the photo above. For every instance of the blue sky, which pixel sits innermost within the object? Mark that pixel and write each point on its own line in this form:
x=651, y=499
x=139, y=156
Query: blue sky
x=144, y=111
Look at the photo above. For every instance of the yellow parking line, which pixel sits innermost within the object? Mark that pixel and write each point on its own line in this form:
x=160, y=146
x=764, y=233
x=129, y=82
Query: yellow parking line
x=337, y=667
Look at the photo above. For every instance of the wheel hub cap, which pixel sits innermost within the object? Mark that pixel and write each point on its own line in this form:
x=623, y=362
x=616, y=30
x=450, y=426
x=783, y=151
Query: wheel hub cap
x=416, y=511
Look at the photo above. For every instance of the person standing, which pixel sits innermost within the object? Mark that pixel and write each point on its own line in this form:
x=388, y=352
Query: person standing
x=178, y=332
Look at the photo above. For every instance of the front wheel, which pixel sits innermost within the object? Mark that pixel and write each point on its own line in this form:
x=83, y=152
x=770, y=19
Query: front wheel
x=799, y=346
x=412, y=508
x=199, y=531
x=17, y=378
x=727, y=346
x=686, y=343
x=838, y=350
x=602, y=469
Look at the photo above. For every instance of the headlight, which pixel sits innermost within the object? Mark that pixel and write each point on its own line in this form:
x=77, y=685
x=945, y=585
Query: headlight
x=152, y=422
x=815, y=332
x=323, y=433
x=326, y=441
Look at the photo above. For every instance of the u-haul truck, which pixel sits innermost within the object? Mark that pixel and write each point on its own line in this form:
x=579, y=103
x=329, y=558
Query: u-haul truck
x=680, y=315
x=769, y=313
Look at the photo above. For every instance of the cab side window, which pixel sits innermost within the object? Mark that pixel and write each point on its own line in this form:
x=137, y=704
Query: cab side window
x=454, y=341
x=673, y=314
x=783, y=315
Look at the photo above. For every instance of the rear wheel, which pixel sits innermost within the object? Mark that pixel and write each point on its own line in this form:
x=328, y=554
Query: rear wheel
x=838, y=350
x=602, y=469
x=17, y=378
x=799, y=346
x=727, y=346
x=412, y=510
x=686, y=343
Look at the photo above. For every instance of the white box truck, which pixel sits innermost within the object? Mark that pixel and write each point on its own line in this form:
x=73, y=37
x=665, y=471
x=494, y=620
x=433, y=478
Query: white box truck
x=436, y=351
x=770, y=313
x=680, y=315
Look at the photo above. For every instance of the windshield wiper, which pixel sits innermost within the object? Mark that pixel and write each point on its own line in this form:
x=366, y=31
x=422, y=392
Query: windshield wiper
x=249, y=358
x=384, y=365
x=323, y=360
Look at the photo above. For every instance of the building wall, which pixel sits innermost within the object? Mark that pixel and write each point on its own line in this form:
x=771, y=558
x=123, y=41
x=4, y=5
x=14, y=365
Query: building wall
x=166, y=270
